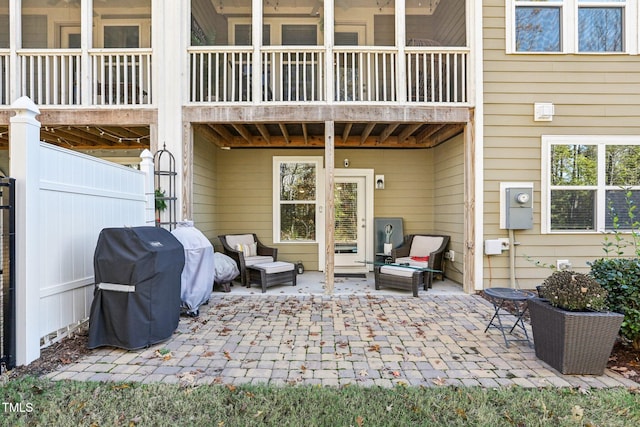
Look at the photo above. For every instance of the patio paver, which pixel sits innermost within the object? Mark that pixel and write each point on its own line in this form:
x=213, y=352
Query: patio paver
x=369, y=340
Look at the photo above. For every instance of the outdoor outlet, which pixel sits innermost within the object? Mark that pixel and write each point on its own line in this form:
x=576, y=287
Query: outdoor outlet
x=450, y=255
x=563, y=264
x=504, y=242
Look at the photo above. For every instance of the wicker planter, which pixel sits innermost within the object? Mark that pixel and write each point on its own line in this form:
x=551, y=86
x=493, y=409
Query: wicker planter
x=573, y=342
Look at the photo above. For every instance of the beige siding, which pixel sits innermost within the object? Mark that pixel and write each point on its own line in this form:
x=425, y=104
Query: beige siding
x=593, y=95
x=242, y=183
x=205, y=187
x=448, y=202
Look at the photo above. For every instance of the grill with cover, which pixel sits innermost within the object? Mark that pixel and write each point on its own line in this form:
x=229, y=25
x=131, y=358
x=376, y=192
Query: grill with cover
x=136, y=300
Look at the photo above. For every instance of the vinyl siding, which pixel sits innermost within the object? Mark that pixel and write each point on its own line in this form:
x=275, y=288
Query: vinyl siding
x=593, y=95
x=449, y=209
x=205, y=204
x=243, y=186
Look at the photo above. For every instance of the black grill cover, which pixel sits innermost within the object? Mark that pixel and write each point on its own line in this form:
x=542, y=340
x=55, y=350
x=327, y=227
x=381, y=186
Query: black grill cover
x=136, y=301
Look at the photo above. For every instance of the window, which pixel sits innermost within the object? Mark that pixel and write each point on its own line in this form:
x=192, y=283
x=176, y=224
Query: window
x=295, y=184
x=588, y=182
x=568, y=26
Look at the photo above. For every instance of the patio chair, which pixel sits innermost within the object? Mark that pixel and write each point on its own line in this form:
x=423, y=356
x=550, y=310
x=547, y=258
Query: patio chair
x=246, y=250
x=423, y=250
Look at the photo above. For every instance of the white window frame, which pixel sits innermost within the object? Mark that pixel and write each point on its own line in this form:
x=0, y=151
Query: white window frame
x=601, y=141
x=569, y=25
x=319, y=199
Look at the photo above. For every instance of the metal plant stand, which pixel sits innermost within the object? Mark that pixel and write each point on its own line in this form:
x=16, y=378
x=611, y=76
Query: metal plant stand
x=165, y=188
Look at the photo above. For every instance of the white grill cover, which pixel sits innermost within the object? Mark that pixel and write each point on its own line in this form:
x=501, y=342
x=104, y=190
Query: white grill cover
x=198, y=273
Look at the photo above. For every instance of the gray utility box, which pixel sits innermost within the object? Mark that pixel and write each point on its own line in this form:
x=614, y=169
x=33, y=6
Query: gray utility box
x=519, y=208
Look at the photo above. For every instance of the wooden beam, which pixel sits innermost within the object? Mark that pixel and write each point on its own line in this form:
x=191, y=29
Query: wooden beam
x=329, y=211
x=408, y=131
x=264, y=132
x=305, y=133
x=347, y=130
x=243, y=131
x=386, y=133
x=445, y=133
x=423, y=137
x=223, y=132
x=210, y=135
x=285, y=132
x=366, y=132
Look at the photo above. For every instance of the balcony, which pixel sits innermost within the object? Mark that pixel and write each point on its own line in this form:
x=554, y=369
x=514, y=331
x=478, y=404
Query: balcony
x=53, y=77
x=431, y=75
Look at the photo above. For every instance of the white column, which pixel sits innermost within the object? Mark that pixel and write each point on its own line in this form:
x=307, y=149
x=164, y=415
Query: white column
x=15, y=41
x=257, y=79
x=169, y=40
x=24, y=147
x=401, y=41
x=86, y=43
x=329, y=30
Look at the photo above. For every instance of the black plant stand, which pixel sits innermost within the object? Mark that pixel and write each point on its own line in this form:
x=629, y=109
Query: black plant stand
x=165, y=180
x=519, y=298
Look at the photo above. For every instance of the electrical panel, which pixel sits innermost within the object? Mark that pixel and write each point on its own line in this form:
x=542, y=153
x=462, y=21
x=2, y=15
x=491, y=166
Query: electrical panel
x=519, y=208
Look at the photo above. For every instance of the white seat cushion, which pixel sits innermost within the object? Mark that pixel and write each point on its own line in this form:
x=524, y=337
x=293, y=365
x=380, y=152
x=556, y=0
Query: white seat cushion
x=394, y=270
x=275, y=267
x=258, y=259
x=422, y=246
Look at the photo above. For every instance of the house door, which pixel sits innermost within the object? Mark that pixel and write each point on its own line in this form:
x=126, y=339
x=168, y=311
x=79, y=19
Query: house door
x=353, y=211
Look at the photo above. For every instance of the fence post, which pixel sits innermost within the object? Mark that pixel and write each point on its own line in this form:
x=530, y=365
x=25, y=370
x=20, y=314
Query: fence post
x=24, y=147
x=146, y=166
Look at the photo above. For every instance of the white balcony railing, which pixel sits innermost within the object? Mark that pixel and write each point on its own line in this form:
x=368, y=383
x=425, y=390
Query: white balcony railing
x=298, y=74
x=121, y=76
x=436, y=75
x=293, y=74
x=4, y=77
x=365, y=74
x=50, y=76
x=53, y=77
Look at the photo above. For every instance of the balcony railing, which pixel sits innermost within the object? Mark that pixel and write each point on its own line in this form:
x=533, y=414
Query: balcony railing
x=294, y=74
x=50, y=76
x=53, y=77
x=298, y=74
x=121, y=77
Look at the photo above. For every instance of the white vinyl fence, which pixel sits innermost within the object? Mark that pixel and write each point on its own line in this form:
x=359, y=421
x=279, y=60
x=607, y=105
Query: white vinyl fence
x=64, y=199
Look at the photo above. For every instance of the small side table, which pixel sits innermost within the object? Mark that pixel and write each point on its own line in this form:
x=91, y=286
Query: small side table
x=519, y=298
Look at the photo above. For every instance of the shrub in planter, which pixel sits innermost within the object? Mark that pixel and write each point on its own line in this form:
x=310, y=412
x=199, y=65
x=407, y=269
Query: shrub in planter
x=570, y=332
x=620, y=277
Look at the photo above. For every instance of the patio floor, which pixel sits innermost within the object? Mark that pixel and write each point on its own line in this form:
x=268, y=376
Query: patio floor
x=359, y=336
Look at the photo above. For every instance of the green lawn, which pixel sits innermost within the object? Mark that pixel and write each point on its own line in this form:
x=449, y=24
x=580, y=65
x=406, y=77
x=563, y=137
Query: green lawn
x=39, y=402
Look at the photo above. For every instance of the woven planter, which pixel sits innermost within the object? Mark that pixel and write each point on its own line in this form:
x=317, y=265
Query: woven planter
x=573, y=342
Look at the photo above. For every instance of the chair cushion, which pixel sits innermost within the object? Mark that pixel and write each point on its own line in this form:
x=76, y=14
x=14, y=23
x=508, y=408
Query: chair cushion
x=259, y=259
x=275, y=267
x=397, y=271
x=424, y=245
x=408, y=260
x=247, y=250
x=244, y=239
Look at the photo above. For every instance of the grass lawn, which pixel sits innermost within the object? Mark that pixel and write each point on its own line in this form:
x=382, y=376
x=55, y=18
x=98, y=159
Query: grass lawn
x=33, y=401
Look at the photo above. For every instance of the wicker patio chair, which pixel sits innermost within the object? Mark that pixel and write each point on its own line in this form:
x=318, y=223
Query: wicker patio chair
x=245, y=250
x=417, y=247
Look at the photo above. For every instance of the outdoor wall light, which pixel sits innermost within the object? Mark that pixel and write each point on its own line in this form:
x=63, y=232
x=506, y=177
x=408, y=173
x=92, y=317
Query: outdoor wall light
x=379, y=182
x=346, y=163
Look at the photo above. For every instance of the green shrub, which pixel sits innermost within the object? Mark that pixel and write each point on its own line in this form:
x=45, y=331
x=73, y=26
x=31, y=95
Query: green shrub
x=620, y=277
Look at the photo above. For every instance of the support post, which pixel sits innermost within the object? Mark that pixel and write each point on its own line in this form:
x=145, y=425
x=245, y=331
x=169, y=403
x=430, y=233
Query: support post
x=329, y=212
x=24, y=150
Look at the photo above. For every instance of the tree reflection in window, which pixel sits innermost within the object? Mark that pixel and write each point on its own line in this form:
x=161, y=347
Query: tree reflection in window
x=298, y=201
